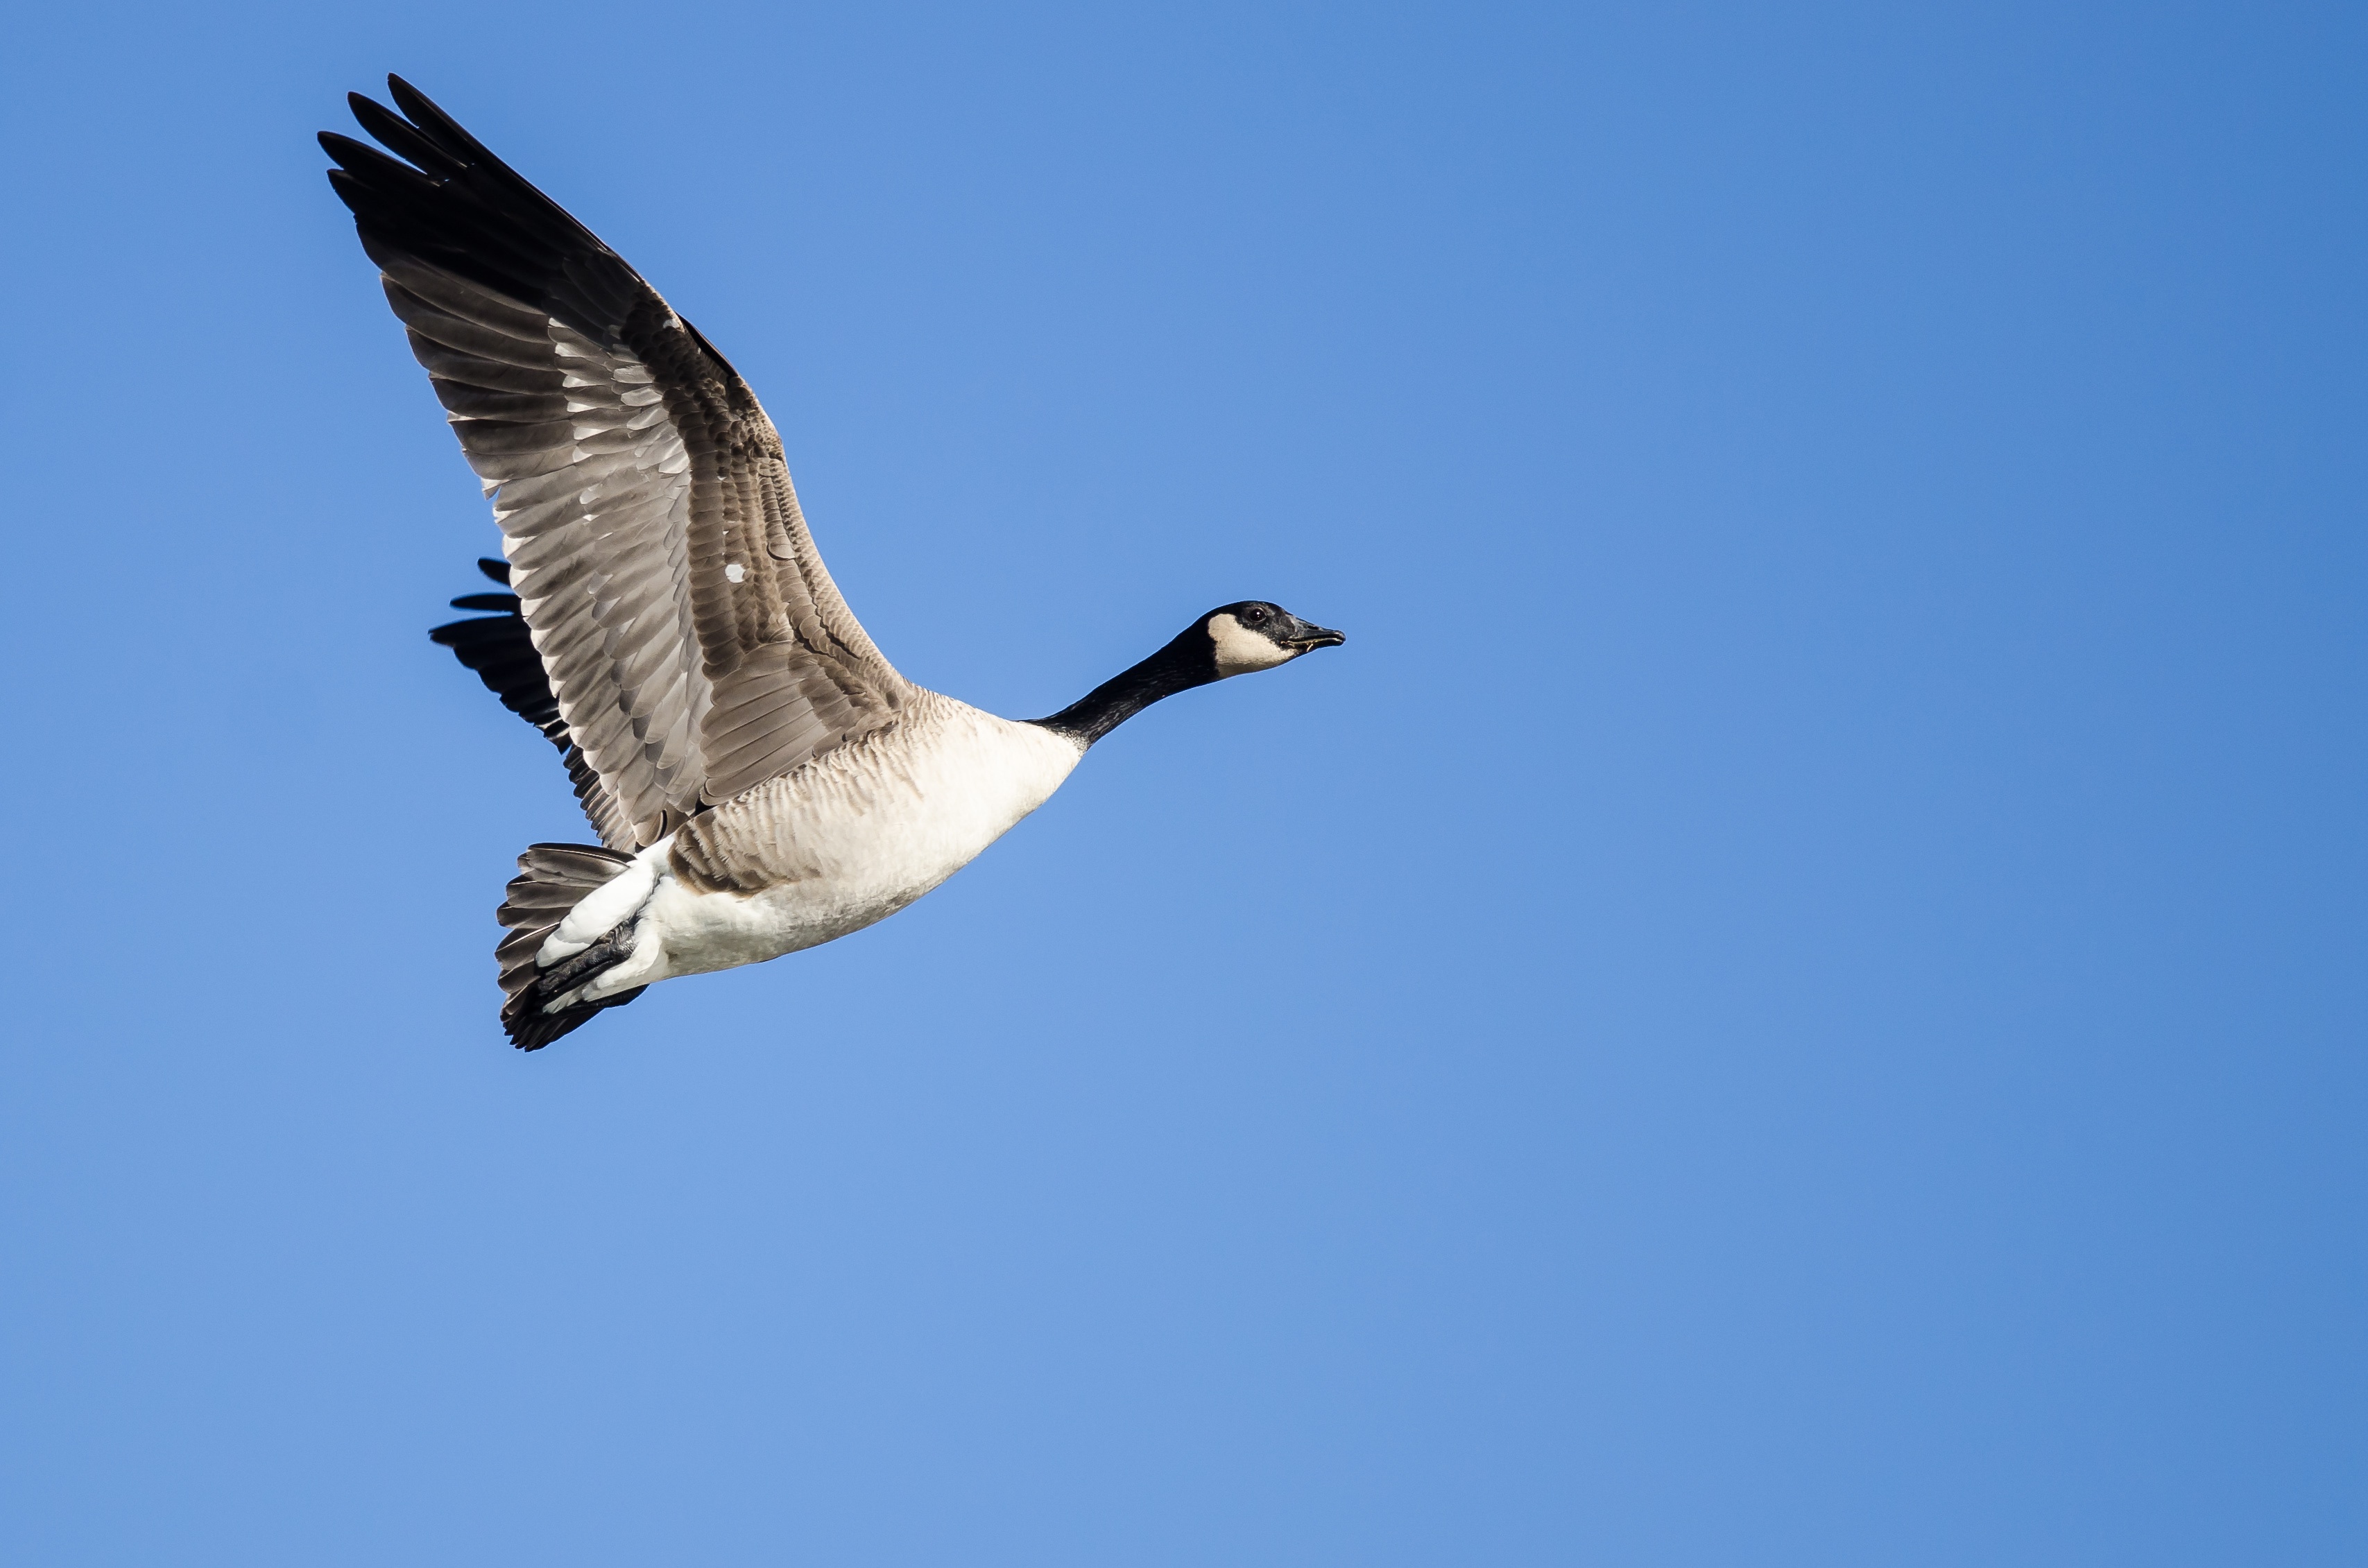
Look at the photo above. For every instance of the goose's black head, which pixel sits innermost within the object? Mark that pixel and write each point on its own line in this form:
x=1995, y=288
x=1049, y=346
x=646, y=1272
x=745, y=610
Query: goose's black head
x=1232, y=640
x=1256, y=635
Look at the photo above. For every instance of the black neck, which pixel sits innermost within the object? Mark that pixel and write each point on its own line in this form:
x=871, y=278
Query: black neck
x=1188, y=662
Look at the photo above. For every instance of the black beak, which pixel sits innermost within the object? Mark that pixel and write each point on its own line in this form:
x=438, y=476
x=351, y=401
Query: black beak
x=1313, y=637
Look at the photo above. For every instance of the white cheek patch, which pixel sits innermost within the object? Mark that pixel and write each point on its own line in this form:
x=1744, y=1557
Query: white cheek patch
x=1240, y=650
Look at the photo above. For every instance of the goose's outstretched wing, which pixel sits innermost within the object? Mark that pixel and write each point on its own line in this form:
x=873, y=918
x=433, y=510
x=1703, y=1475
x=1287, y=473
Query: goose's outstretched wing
x=694, y=639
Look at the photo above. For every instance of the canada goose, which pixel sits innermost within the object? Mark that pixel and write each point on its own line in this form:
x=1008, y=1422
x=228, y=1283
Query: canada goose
x=761, y=778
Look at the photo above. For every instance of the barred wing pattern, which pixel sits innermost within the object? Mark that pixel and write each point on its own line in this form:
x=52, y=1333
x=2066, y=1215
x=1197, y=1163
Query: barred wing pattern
x=694, y=641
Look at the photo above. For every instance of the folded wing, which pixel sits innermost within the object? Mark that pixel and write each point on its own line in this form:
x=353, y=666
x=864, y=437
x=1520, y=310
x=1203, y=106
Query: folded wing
x=693, y=639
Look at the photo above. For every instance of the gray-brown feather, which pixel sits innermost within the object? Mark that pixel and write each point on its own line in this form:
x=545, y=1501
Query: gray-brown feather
x=755, y=842
x=632, y=472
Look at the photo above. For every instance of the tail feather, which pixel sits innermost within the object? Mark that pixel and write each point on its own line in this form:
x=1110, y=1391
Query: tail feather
x=552, y=879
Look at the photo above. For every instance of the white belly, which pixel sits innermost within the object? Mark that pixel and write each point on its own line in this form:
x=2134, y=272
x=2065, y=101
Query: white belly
x=860, y=833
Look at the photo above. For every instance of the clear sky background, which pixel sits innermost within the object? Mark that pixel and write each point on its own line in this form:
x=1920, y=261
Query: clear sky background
x=1793, y=996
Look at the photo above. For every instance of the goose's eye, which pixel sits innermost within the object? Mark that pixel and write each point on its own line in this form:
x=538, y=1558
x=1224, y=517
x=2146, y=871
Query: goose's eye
x=1256, y=616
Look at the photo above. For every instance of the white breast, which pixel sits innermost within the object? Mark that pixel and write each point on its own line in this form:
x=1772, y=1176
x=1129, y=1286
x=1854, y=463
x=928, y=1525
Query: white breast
x=846, y=841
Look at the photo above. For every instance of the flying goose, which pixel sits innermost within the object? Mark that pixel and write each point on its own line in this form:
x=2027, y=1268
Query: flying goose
x=761, y=778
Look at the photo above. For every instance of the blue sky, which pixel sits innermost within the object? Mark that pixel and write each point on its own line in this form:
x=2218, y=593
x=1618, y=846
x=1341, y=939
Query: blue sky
x=1792, y=997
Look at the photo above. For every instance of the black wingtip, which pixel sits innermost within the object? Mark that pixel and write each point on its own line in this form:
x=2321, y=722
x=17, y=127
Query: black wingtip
x=499, y=570
x=404, y=138
x=435, y=125
x=438, y=196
